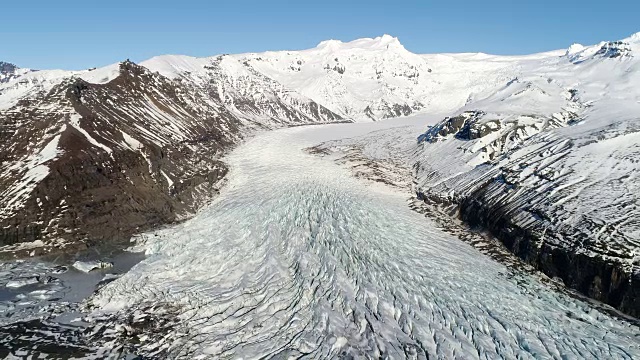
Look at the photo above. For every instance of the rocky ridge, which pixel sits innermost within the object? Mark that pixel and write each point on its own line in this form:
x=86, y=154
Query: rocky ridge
x=555, y=180
x=85, y=163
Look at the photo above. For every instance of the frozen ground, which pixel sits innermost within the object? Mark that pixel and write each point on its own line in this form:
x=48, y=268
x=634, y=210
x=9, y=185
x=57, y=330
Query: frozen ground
x=299, y=258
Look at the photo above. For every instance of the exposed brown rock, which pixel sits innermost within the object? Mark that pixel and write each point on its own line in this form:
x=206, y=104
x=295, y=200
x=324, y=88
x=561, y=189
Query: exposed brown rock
x=134, y=153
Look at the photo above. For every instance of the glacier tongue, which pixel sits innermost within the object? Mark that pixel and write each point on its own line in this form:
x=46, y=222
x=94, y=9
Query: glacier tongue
x=296, y=258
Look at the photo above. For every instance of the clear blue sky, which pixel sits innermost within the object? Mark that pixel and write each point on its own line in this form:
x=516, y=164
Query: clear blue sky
x=80, y=34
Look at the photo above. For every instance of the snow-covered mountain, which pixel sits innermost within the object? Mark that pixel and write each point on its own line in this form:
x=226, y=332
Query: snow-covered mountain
x=540, y=149
x=103, y=153
x=543, y=154
x=549, y=163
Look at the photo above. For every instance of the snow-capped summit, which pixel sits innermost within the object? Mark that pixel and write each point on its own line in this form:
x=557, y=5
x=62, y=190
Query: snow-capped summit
x=381, y=42
x=574, y=48
x=368, y=78
x=387, y=40
x=329, y=44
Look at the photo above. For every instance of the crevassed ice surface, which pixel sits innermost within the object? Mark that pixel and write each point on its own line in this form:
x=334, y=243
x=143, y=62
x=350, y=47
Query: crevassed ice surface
x=297, y=258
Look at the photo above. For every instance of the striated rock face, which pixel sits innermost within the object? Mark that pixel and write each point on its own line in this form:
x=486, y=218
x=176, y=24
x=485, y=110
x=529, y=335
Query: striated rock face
x=605, y=271
x=548, y=163
x=564, y=199
x=560, y=252
x=88, y=163
x=261, y=99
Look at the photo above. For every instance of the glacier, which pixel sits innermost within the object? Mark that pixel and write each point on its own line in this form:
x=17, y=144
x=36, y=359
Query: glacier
x=297, y=258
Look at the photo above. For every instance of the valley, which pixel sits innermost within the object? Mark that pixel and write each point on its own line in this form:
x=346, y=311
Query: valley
x=265, y=236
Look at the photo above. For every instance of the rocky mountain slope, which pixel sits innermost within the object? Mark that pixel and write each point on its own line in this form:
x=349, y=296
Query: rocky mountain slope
x=549, y=164
x=98, y=155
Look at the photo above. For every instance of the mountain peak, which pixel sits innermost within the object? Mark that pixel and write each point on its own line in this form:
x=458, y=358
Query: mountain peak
x=7, y=68
x=574, y=48
x=331, y=43
x=387, y=39
x=381, y=42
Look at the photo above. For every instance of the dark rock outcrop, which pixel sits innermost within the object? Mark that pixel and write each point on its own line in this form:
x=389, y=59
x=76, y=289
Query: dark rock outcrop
x=462, y=127
x=614, y=49
x=594, y=276
x=7, y=68
x=547, y=193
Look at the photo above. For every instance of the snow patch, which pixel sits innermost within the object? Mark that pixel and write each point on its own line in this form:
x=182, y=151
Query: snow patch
x=169, y=181
x=74, y=120
x=101, y=75
x=36, y=171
